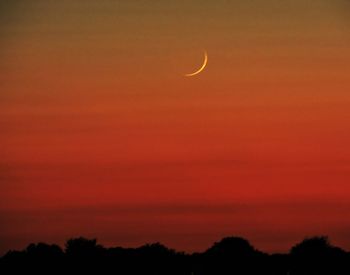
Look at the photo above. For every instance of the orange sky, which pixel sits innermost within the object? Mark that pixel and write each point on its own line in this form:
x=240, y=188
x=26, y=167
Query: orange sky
x=102, y=135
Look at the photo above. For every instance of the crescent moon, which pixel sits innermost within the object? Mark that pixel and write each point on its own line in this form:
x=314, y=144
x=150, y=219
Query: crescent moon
x=201, y=68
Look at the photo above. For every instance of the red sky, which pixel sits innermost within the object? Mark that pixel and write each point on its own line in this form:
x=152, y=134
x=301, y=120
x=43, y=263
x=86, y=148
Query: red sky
x=102, y=135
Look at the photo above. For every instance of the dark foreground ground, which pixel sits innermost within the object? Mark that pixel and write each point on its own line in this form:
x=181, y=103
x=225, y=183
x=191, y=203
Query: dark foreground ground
x=232, y=255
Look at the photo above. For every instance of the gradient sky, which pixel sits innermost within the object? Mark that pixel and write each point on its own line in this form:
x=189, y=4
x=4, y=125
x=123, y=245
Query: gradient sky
x=102, y=135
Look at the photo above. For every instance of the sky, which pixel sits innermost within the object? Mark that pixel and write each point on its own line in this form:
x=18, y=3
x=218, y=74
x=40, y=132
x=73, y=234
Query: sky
x=102, y=136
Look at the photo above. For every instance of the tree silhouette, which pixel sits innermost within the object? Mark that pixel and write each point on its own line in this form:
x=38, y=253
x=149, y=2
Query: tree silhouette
x=231, y=246
x=85, y=255
x=231, y=255
x=44, y=251
x=317, y=256
x=41, y=258
x=82, y=247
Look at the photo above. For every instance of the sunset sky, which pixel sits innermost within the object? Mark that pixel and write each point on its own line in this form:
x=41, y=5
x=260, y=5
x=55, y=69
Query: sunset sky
x=101, y=135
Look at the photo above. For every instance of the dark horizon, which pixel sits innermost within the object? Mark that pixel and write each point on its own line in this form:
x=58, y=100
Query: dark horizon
x=187, y=252
x=230, y=255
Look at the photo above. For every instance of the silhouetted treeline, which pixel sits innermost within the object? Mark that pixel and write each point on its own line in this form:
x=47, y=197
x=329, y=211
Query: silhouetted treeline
x=232, y=255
